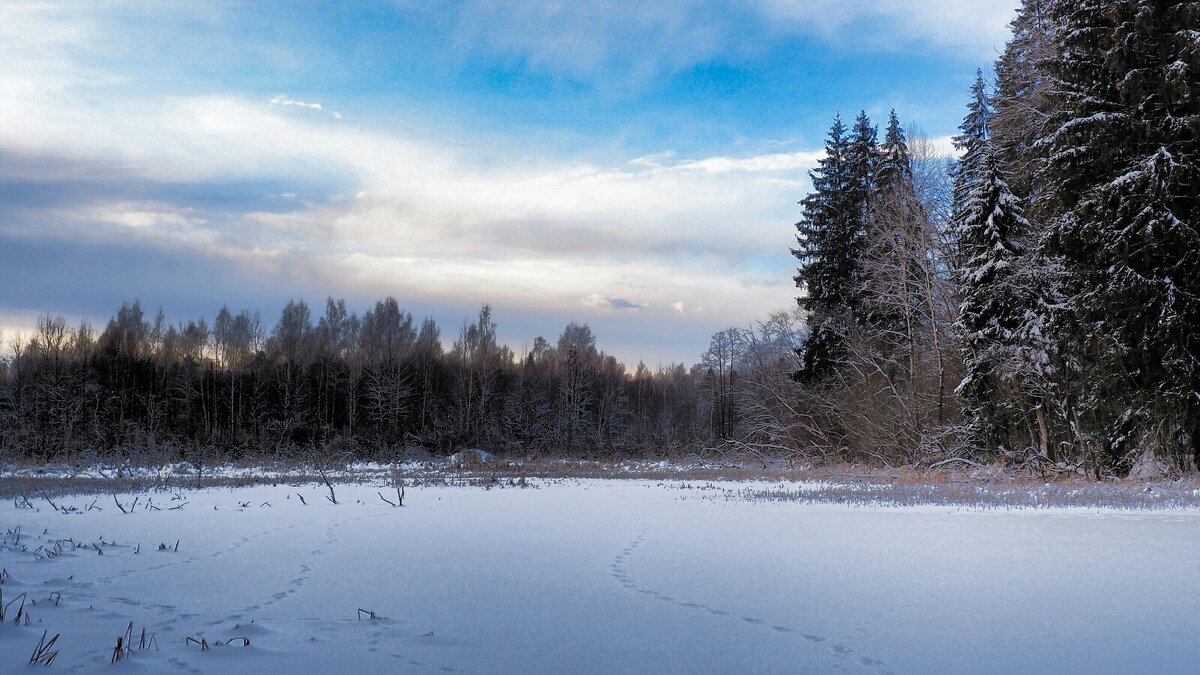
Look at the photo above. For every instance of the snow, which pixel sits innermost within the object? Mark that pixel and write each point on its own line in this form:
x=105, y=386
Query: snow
x=600, y=576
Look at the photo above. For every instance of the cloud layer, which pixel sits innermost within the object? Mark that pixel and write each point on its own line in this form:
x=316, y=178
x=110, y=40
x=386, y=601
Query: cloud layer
x=116, y=184
x=589, y=39
x=397, y=215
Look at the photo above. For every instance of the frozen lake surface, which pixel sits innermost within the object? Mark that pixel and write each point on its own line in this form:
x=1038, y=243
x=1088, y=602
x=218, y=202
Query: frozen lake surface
x=597, y=576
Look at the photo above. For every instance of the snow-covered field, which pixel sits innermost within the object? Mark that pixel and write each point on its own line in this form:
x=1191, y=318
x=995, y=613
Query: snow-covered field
x=595, y=576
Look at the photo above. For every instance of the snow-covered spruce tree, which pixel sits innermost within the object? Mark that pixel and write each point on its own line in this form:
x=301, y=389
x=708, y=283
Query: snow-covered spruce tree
x=1020, y=101
x=1021, y=106
x=1122, y=150
x=894, y=166
x=988, y=222
x=826, y=236
x=972, y=144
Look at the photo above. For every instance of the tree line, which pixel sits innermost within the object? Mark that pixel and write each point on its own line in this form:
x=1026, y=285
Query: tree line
x=1045, y=310
x=368, y=387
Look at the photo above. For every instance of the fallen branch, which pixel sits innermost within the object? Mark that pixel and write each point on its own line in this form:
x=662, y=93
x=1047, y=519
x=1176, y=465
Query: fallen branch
x=935, y=465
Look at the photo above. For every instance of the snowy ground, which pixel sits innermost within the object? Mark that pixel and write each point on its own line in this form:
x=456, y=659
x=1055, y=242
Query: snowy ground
x=597, y=576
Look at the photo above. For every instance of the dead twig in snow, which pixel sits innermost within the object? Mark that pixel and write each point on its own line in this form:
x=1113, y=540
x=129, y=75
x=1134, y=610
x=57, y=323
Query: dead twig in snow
x=42, y=653
x=121, y=651
x=4, y=607
x=325, y=479
x=51, y=502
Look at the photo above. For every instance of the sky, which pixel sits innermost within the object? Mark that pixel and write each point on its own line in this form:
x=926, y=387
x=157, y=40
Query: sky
x=635, y=166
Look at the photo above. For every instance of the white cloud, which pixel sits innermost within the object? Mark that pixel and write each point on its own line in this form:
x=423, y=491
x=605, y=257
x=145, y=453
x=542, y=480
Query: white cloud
x=633, y=41
x=775, y=162
x=586, y=39
x=943, y=146
x=285, y=101
x=972, y=28
x=427, y=216
x=282, y=100
x=145, y=216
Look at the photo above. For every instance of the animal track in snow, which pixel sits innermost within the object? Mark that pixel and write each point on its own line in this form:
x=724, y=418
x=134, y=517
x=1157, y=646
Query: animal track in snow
x=623, y=577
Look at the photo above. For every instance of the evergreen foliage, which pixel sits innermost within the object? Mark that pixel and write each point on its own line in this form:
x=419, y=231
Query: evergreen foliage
x=988, y=223
x=1122, y=180
x=894, y=167
x=826, y=237
x=972, y=144
x=1021, y=105
x=831, y=235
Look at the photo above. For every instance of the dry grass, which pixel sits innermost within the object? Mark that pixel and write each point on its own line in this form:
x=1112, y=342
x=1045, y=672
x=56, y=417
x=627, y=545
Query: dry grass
x=953, y=483
x=20, y=487
x=989, y=496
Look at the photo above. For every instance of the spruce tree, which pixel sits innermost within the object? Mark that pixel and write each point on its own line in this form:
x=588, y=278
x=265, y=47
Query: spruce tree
x=988, y=223
x=1021, y=108
x=1020, y=102
x=828, y=236
x=972, y=144
x=1120, y=163
x=863, y=159
x=894, y=168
